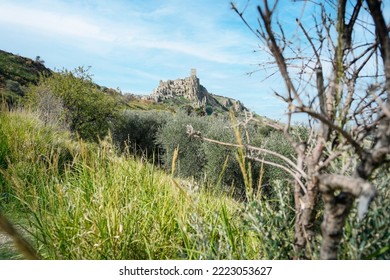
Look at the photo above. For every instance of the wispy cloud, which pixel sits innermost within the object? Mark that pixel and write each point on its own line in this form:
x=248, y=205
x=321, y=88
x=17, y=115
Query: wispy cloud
x=51, y=23
x=183, y=30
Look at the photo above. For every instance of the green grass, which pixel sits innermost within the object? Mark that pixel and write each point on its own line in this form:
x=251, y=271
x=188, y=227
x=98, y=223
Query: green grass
x=84, y=201
x=7, y=252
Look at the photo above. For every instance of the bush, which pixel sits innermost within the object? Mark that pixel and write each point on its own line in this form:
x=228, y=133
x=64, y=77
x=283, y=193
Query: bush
x=222, y=167
x=370, y=237
x=87, y=110
x=191, y=159
x=218, y=163
x=276, y=141
x=272, y=221
x=137, y=130
x=14, y=87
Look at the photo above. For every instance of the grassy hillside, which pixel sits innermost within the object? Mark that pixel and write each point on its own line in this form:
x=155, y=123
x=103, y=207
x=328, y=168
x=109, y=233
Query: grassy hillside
x=20, y=69
x=84, y=201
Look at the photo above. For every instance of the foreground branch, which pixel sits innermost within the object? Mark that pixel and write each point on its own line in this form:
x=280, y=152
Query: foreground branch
x=338, y=205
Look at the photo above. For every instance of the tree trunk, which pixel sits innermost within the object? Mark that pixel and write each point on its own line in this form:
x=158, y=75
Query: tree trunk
x=305, y=218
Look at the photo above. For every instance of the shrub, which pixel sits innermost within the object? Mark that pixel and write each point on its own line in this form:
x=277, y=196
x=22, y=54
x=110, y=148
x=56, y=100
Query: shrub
x=272, y=221
x=276, y=141
x=137, y=130
x=222, y=167
x=88, y=111
x=50, y=108
x=14, y=87
x=191, y=159
x=218, y=163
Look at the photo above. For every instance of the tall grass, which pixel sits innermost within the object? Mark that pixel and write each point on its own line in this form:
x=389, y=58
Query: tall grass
x=86, y=201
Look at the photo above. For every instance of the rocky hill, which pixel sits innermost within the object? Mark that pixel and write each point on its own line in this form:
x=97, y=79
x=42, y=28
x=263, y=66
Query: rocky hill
x=189, y=92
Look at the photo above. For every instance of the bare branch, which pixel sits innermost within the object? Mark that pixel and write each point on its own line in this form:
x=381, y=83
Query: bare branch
x=266, y=16
x=345, y=134
x=289, y=171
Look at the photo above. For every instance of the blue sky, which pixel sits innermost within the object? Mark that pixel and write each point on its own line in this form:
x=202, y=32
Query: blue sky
x=132, y=44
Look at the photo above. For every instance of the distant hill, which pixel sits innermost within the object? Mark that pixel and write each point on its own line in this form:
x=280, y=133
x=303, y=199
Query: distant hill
x=16, y=73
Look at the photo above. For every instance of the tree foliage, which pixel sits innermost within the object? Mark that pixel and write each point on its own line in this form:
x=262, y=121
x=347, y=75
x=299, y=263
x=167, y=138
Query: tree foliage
x=191, y=153
x=73, y=97
x=217, y=165
x=136, y=130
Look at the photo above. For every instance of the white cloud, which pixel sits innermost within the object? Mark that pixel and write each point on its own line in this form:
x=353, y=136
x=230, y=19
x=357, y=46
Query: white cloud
x=52, y=23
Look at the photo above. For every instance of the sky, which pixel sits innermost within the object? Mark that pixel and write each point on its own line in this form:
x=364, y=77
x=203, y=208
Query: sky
x=133, y=44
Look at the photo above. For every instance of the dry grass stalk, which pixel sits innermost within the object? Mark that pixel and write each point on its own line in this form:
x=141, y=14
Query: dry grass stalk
x=20, y=242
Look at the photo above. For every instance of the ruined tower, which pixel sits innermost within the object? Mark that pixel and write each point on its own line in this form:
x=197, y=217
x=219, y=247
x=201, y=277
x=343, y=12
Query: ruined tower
x=193, y=72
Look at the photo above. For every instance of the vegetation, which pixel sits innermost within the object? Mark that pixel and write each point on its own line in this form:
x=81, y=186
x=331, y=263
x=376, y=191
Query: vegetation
x=214, y=164
x=76, y=174
x=137, y=130
x=84, y=201
x=74, y=98
x=16, y=73
x=80, y=200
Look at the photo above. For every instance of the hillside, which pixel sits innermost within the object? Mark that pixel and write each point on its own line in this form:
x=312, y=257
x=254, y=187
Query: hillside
x=17, y=72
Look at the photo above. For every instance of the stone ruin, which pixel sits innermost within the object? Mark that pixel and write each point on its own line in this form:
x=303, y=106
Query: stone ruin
x=189, y=87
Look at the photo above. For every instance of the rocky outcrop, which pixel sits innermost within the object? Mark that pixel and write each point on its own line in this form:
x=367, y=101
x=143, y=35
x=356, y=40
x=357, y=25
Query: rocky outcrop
x=191, y=89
